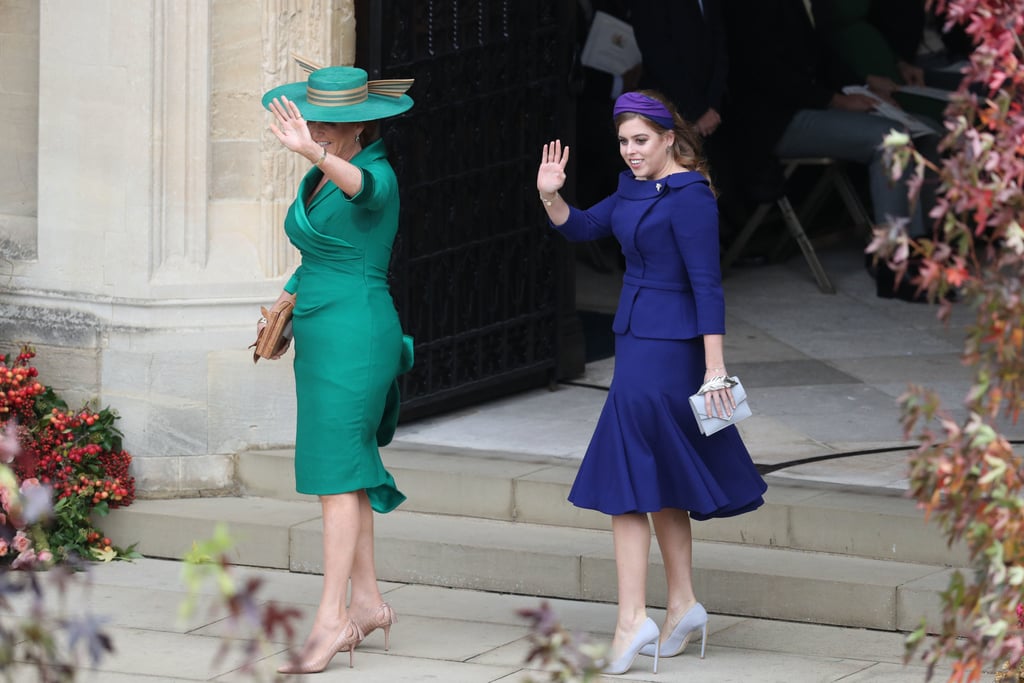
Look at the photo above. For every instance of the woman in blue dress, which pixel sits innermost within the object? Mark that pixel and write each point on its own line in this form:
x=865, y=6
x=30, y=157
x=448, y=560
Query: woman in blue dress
x=647, y=455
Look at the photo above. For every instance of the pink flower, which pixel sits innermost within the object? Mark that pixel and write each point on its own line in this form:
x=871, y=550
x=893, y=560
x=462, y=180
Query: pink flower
x=3, y=548
x=45, y=556
x=24, y=560
x=22, y=542
x=9, y=442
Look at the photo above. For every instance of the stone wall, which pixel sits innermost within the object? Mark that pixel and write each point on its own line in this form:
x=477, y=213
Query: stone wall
x=19, y=109
x=159, y=232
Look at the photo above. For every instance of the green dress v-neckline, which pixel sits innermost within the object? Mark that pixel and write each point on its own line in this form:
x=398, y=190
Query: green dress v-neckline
x=316, y=191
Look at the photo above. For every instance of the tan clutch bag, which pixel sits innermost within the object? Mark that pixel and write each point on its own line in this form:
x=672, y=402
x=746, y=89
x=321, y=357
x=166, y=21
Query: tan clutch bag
x=276, y=334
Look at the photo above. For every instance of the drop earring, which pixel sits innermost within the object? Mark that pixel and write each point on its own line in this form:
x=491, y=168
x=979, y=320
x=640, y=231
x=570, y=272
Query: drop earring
x=357, y=138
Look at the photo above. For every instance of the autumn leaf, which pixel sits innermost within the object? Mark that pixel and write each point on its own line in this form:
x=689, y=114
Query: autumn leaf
x=956, y=275
x=965, y=475
x=103, y=554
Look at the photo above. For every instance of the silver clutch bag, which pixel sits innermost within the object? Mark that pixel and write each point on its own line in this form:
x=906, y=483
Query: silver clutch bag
x=709, y=424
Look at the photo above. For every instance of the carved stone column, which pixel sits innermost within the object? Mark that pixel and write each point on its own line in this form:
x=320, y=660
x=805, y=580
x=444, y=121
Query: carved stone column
x=19, y=108
x=161, y=200
x=181, y=93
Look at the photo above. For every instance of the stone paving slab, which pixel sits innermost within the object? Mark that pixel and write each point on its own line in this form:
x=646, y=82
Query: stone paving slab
x=456, y=635
x=540, y=422
x=873, y=473
x=916, y=601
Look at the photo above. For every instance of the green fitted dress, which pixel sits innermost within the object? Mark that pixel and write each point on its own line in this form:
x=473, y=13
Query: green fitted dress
x=348, y=341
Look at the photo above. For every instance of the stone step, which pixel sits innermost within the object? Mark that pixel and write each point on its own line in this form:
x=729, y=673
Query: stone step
x=535, y=559
x=509, y=487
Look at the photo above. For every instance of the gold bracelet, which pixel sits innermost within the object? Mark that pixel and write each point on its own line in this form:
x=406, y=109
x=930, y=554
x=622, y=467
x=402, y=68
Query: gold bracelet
x=322, y=157
x=547, y=202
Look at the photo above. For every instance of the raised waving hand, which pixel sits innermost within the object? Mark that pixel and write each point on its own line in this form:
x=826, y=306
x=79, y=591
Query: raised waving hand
x=551, y=174
x=551, y=178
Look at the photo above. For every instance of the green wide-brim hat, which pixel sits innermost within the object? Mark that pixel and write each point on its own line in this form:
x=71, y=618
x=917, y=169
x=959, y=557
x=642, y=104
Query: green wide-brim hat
x=343, y=94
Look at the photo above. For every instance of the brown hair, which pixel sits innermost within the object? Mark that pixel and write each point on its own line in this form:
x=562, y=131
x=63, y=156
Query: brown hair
x=687, y=148
x=371, y=132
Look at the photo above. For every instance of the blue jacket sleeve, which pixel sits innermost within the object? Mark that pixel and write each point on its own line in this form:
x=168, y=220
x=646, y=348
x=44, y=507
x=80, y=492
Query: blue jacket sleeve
x=696, y=233
x=590, y=224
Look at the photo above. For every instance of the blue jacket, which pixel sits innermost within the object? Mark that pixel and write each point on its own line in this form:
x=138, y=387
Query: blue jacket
x=668, y=230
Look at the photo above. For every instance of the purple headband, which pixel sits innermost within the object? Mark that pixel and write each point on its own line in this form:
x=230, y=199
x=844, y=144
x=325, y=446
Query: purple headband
x=645, y=106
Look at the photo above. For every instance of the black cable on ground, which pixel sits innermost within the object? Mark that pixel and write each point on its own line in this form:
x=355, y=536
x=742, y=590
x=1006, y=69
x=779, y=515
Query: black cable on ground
x=767, y=469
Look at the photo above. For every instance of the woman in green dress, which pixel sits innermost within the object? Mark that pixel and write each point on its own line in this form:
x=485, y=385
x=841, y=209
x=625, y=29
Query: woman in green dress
x=348, y=340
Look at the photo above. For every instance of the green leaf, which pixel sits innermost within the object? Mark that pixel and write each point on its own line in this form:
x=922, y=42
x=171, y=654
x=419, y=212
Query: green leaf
x=996, y=629
x=917, y=635
x=997, y=471
x=1015, y=576
x=983, y=436
x=998, y=575
x=895, y=139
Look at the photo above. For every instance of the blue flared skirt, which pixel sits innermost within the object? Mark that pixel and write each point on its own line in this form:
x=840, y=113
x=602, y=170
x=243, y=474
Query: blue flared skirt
x=647, y=452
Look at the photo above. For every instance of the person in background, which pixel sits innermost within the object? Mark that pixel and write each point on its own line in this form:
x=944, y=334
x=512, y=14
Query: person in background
x=877, y=41
x=903, y=23
x=647, y=460
x=595, y=91
x=685, y=56
x=786, y=88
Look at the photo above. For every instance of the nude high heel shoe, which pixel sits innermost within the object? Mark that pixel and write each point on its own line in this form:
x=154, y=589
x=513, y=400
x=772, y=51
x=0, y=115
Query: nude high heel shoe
x=382, y=617
x=695, y=618
x=648, y=635
x=347, y=639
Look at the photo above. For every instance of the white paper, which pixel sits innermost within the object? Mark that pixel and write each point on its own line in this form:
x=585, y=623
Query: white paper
x=914, y=125
x=611, y=46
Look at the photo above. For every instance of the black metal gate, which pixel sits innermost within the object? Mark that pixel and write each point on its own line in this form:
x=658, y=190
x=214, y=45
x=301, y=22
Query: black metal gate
x=477, y=278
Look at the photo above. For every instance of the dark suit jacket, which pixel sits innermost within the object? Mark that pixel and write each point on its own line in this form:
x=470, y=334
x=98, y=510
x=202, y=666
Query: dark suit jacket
x=684, y=52
x=591, y=84
x=902, y=23
x=668, y=230
x=778, y=65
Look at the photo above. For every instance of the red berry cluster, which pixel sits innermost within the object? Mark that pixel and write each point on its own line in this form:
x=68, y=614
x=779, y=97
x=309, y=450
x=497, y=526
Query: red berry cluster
x=115, y=464
x=76, y=453
x=96, y=490
x=18, y=387
x=94, y=538
x=63, y=457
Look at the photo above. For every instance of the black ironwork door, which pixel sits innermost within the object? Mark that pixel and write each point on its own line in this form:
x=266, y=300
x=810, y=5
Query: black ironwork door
x=477, y=276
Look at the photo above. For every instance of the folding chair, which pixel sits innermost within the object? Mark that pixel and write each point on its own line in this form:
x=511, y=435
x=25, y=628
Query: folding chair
x=833, y=177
